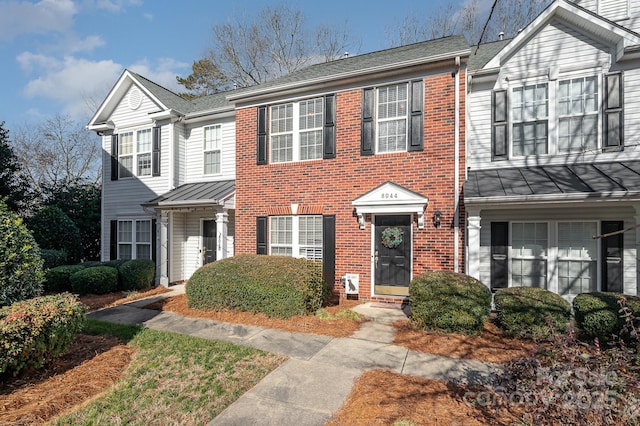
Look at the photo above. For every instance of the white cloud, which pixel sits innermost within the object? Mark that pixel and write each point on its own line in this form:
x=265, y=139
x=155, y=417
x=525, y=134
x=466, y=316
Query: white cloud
x=20, y=17
x=148, y=16
x=116, y=6
x=87, y=44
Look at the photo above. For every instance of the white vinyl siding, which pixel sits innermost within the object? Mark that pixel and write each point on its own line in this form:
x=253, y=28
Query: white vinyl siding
x=134, y=239
x=296, y=131
x=211, y=150
x=529, y=246
x=391, y=109
x=297, y=236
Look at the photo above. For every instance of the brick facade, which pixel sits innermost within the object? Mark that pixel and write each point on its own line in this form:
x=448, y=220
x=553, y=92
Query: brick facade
x=329, y=186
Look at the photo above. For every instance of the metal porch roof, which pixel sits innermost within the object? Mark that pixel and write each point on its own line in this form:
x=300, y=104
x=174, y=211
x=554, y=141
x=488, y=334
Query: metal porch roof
x=195, y=194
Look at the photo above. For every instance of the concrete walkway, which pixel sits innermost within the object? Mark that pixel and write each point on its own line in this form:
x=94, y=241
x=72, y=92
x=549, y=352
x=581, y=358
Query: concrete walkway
x=319, y=374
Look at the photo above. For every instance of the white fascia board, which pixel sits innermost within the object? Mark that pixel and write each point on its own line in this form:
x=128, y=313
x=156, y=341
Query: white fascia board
x=208, y=114
x=527, y=200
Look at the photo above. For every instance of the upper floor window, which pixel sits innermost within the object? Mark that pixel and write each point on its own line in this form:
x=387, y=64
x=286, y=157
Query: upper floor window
x=571, y=115
x=297, y=236
x=392, y=118
x=135, y=153
x=296, y=131
x=211, y=149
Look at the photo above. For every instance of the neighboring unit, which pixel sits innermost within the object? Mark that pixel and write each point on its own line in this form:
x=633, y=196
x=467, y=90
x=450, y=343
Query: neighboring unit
x=553, y=188
x=359, y=163
x=168, y=180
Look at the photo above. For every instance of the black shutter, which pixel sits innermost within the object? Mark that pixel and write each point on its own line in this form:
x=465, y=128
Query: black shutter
x=154, y=240
x=155, y=155
x=262, y=135
x=114, y=157
x=499, y=147
x=613, y=113
x=368, y=133
x=261, y=235
x=499, y=258
x=329, y=249
x=612, y=249
x=416, y=120
x=113, y=240
x=329, y=131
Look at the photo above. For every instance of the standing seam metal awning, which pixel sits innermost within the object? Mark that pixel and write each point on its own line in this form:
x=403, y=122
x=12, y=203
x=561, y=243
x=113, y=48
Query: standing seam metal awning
x=192, y=194
x=593, y=179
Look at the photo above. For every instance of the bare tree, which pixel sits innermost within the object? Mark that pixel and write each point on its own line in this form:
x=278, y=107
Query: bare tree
x=276, y=41
x=57, y=153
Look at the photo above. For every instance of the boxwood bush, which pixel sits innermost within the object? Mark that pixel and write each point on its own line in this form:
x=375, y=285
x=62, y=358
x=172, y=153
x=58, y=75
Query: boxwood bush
x=35, y=331
x=137, y=274
x=598, y=314
x=97, y=280
x=277, y=286
x=59, y=279
x=449, y=302
x=531, y=313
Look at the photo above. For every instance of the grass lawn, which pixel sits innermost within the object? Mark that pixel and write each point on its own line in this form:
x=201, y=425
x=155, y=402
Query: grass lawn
x=173, y=379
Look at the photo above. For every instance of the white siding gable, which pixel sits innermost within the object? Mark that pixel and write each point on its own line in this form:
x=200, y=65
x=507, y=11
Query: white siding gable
x=194, y=148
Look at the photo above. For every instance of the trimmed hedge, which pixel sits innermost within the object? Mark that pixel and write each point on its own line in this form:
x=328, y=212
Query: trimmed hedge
x=53, y=229
x=53, y=258
x=137, y=274
x=598, y=314
x=528, y=312
x=59, y=279
x=449, y=302
x=96, y=280
x=21, y=273
x=35, y=331
x=277, y=286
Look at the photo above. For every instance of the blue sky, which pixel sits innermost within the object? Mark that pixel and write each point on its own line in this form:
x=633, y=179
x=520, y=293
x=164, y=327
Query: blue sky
x=63, y=56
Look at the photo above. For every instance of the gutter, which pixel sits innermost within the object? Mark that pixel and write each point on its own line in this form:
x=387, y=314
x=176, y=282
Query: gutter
x=456, y=179
x=510, y=201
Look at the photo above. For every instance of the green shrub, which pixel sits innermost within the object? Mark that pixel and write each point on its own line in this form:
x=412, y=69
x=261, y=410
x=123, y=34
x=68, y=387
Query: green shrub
x=137, y=274
x=531, y=313
x=449, y=302
x=52, y=229
x=92, y=263
x=35, y=331
x=53, y=258
x=277, y=286
x=21, y=272
x=59, y=279
x=97, y=280
x=115, y=264
x=598, y=314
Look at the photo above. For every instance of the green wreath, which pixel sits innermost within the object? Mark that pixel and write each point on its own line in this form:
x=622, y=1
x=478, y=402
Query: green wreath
x=392, y=237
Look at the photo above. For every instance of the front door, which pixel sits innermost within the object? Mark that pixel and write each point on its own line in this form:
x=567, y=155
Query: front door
x=208, y=241
x=392, y=255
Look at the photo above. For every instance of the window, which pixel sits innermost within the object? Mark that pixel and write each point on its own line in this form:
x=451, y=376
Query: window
x=297, y=236
x=134, y=153
x=134, y=239
x=392, y=118
x=296, y=131
x=529, y=112
x=211, y=150
x=578, y=114
x=529, y=255
x=577, y=257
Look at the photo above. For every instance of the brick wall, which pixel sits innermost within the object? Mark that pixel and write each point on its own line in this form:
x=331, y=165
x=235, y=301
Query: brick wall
x=329, y=186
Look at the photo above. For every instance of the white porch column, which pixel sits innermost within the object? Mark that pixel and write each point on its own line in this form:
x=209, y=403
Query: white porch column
x=473, y=243
x=222, y=230
x=164, y=248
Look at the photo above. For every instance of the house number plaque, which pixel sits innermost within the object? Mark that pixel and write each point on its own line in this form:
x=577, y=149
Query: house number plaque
x=388, y=195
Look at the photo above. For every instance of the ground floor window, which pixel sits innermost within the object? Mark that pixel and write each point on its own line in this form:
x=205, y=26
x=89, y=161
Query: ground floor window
x=529, y=246
x=296, y=236
x=134, y=239
x=577, y=257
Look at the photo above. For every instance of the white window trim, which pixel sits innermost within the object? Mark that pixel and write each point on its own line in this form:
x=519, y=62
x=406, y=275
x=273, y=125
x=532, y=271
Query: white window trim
x=295, y=234
x=134, y=243
x=379, y=120
x=295, y=132
x=205, y=151
x=134, y=154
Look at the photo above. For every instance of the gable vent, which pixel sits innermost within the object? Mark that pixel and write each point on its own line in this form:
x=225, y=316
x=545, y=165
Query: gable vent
x=135, y=98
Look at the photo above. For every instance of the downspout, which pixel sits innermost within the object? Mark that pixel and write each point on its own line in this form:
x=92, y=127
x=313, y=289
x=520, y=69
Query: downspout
x=456, y=179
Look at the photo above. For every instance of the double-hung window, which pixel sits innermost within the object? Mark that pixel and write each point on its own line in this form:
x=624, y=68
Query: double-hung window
x=134, y=153
x=212, y=147
x=529, y=244
x=577, y=257
x=296, y=131
x=529, y=111
x=125, y=154
x=392, y=118
x=134, y=239
x=143, y=152
x=297, y=236
x=578, y=114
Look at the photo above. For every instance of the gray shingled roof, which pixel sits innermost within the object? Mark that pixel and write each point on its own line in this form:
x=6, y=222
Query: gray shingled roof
x=194, y=193
x=426, y=50
x=590, y=179
x=482, y=54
